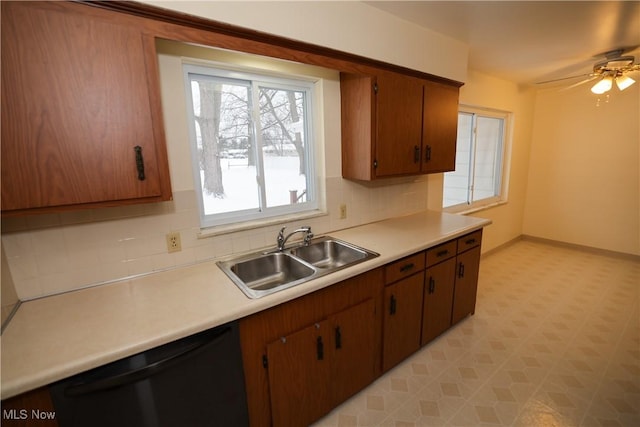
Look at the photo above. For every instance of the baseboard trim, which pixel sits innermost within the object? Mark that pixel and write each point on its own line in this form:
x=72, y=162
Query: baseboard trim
x=501, y=247
x=584, y=248
x=558, y=243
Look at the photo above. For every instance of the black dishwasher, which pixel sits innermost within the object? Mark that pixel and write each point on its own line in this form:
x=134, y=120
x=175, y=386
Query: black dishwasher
x=196, y=381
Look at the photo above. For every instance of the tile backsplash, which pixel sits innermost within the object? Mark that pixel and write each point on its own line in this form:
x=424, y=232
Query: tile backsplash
x=56, y=253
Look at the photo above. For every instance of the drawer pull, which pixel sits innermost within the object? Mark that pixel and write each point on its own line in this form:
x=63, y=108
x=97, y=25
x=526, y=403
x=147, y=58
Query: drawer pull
x=338, y=338
x=442, y=253
x=407, y=267
x=470, y=241
x=139, y=162
x=320, y=348
x=392, y=305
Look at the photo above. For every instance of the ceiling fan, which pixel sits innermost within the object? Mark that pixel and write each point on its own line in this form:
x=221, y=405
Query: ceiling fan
x=615, y=68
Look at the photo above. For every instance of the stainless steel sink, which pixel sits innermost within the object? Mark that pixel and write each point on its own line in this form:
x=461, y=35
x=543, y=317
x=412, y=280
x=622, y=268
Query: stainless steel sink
x=264, y=273
x=330, y=253
x=270, y=271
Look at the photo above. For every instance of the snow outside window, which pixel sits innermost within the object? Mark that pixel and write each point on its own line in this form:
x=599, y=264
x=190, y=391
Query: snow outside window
x=251, y=139
x=478, y=177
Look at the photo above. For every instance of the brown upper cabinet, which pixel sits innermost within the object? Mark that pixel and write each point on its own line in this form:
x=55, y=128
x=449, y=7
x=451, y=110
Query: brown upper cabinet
x=395, y=124
x=81, y=115
x=439, y=127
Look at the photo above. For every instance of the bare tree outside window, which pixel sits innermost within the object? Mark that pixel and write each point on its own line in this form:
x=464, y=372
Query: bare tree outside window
x=250, y=159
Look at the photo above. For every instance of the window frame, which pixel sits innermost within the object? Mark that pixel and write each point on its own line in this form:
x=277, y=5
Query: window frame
x=504, y=160
x=255, y=79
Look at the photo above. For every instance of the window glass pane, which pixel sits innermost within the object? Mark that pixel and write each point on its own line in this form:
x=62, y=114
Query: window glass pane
x=456, y=183
x=479, y=161
x=487, y=151
x=223, y=134
x=282, y=119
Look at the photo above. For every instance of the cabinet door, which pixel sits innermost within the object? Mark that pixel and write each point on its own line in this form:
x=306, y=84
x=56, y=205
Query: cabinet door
x=357, y=102
x=466, y=288
x=402, y=320
x=438, y=299
x=79, y=93
x=399, y=125
x=354, y=339
x=299, y=368
x=440, y=127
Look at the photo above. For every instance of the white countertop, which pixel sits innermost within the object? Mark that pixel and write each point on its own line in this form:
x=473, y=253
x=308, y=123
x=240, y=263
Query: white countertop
x=59, y=336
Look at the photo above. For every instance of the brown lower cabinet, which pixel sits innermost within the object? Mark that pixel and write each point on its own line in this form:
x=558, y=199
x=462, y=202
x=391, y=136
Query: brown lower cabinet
x=464, y=300
x=402, y=320
x=438, y=299
x=321, y=365
x=302, y=358
x=402, y=310
x=299, y=370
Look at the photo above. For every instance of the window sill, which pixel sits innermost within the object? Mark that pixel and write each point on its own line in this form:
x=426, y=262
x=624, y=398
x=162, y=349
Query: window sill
x=465, y=210
x=251, y=225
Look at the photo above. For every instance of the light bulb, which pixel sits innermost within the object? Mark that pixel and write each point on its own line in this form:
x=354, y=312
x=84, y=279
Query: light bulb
x=624, y=82
x=603, y=85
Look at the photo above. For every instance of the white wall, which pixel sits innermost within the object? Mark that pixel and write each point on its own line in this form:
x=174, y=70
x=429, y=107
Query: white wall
x=584, y=183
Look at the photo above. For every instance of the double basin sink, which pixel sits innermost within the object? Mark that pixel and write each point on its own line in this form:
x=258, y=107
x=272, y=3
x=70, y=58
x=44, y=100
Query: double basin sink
x=264, y=273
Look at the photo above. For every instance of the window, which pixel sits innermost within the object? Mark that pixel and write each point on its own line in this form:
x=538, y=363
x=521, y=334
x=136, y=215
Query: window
x=478, y=178
x=251, y=139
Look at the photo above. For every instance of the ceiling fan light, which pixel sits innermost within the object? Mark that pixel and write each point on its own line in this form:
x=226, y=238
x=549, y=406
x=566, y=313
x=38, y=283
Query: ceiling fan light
x=603, y=85
x=624, y=82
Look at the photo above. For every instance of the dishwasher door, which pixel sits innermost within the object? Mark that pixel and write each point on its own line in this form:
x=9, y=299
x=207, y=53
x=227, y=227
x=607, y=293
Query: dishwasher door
x=196, y=381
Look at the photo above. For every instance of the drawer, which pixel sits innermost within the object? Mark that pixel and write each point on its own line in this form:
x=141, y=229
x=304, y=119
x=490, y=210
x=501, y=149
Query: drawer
x=469, y=241
x=404, y=267
x=441, y=252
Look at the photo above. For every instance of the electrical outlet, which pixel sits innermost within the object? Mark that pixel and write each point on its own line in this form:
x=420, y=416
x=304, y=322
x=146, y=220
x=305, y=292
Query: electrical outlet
x=173, y=242
x=343, y=211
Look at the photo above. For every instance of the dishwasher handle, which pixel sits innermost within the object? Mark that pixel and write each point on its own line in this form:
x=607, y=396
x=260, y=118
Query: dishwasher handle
x=144, y=372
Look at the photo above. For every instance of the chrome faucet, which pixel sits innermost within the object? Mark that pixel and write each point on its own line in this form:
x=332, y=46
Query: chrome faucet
x=282, y=240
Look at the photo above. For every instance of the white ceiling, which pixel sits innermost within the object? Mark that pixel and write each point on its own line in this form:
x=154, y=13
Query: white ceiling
x=529, y=41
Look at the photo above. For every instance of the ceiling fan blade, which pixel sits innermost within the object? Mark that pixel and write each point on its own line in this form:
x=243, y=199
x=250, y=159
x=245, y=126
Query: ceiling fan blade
x=564, y=78
x=580, y=83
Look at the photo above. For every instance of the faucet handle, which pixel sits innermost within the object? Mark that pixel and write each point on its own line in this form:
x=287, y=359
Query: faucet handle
x=308, y=236
x=280, y=239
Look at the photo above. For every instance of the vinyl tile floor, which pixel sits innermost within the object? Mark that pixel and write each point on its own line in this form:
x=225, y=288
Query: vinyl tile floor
x=554, y=341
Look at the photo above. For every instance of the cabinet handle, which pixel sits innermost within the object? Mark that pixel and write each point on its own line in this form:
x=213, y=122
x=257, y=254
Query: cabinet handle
x=443, y=253
x=139, y=162
x=338, y=338
x=428, y=155
x=470, y=242
x=416, y=154
x=392, y=305
x=461, y=270
x=432, y=285
x=407, y=267
x=320, y=348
